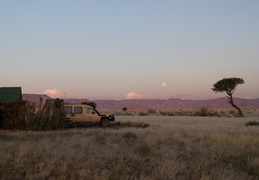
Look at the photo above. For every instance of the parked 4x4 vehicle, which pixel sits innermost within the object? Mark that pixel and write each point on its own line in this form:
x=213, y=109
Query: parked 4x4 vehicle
x=81, y=114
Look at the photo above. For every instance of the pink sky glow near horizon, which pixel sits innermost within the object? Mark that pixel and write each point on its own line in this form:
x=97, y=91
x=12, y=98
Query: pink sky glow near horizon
x=54, y=93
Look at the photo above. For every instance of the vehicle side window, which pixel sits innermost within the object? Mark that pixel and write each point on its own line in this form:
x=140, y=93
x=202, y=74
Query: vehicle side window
x=78, y=110
x=68, y=109
x=90, y=111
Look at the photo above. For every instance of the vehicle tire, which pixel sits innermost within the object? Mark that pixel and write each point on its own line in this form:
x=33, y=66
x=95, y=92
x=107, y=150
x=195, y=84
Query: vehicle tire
x=105, y=122
x=68, y=124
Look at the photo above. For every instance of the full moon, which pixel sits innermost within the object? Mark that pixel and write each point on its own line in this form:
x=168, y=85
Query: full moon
x=164, y=84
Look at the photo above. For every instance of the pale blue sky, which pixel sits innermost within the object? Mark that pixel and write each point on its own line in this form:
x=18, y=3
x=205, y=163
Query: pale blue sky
x=107, y=49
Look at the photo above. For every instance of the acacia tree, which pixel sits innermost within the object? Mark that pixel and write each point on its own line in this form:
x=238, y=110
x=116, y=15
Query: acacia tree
x=229, y=86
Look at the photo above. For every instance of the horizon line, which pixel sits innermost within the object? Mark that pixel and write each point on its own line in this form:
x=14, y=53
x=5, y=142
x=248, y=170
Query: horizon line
x=141, y=98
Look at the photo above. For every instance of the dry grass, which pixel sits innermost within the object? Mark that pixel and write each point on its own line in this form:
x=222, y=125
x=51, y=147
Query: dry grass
x=170, y=148
x=202, y=111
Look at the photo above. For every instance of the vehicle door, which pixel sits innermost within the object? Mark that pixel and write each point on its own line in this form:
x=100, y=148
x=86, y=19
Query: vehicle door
x=91, y=115
x=78, y=115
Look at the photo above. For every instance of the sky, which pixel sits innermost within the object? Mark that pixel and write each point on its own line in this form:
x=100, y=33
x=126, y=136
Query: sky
x=129, y=49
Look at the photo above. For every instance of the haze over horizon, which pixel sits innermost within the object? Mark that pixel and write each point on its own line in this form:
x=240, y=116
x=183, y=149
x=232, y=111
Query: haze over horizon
x=129, y=49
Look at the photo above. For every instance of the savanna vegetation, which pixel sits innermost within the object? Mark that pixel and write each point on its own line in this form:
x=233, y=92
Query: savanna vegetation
x=202, y=111
x=168, y=147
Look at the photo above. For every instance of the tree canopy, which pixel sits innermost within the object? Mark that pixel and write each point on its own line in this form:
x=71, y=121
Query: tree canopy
x=227, y=84
x=124, y=109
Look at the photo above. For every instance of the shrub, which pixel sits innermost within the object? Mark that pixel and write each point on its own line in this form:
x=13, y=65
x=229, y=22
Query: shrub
x=118, y=113
x=38, y=121
x=57, y=120
x=205, y=111
x=166, y=113
x=151, y=111
x=170, y=114
x=252, y=123
x=232, y=112
x=141, y=125
x=143, y=114
x=51, y=117
x=163, y=113
x=128, y=114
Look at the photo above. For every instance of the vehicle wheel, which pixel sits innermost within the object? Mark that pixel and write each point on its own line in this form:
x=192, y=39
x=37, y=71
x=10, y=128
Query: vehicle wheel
x=105, y=122
x=68, y=124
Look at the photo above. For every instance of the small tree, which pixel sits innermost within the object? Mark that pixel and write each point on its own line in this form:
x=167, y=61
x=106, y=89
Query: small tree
x=229, y=86
x=124, y=109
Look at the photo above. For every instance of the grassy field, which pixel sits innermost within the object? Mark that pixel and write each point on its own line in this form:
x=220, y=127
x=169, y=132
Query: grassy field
x=172, y=147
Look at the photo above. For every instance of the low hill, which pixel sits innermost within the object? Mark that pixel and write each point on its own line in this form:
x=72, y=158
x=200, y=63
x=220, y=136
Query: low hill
x=174, y=103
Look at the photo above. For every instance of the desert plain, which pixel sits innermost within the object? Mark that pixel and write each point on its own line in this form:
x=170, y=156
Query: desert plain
x=171, y=147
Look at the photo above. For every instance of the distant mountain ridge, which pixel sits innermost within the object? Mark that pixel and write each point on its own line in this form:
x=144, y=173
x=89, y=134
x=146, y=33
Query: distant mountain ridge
x=158, y=104
x=174, y=103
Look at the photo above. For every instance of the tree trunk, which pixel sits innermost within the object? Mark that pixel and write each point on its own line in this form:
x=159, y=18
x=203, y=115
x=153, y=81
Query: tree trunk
x=235, y=106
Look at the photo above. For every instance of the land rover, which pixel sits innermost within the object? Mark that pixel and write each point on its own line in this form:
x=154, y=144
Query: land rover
x=82, y=114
